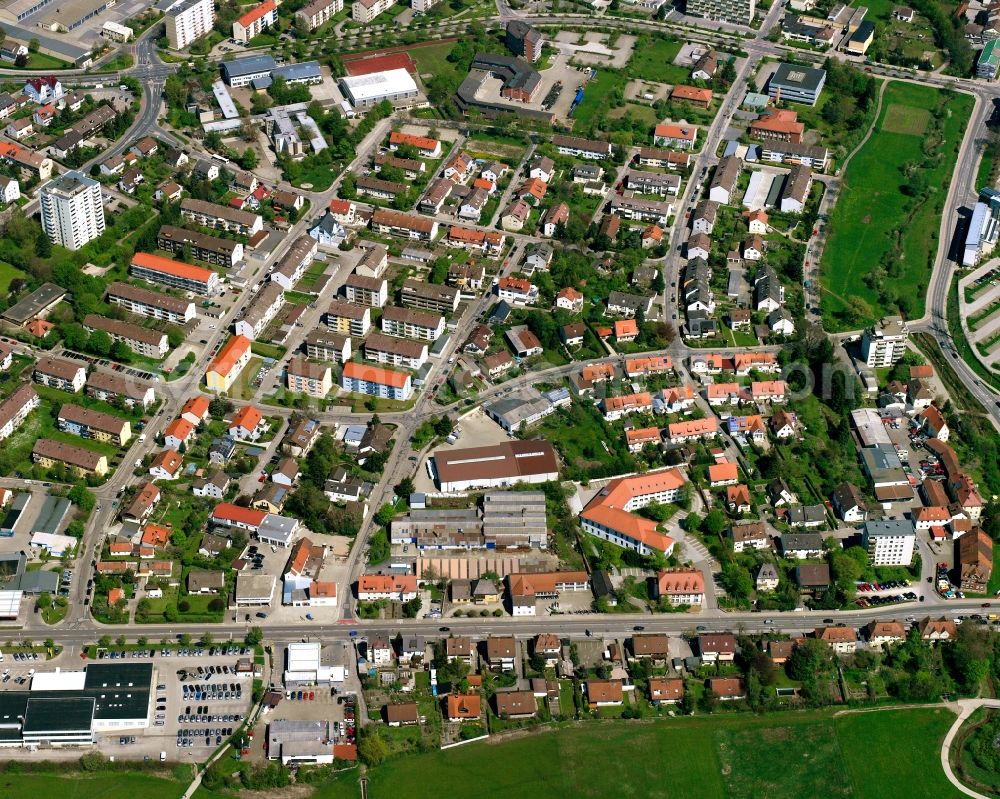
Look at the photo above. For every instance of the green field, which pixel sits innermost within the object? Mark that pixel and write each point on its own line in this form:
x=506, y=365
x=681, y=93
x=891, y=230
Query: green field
x=7, y=273
x=433, y=60
x=655, y=62
x=879, y=754
x=597, y=95
x=873, y=209
x=794, y=755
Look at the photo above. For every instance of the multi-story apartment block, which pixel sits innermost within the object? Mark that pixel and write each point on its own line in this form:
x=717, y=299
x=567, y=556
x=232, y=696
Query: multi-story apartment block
x=144, y=302
x=348, y=318
x=185, y=277
x=82, y=462
x=364, y=11
x=412, y=323
x=312, y=379
x=88, y=423
x=324, y=345
x=58, y=373
x=187, y=21
x=395, y=351
x=319, y=12
x=292, y=266
x=371, y=291
x=378, y=382
x=430, y=296
x=255, y=21
x=151, y=343
x=890, y=542
x=260, y=311
x=228, y=363
x=222, y=217
x=110, y=386
x=15, y=409
x=885, y=343
x=213, y=250
x=397, y=223
x=72, y=210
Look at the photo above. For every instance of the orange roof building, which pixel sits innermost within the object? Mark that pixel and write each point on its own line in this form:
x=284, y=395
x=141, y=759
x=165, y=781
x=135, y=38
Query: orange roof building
x=228, y=363
x=195, y=410
x=246, y=423
x=626, y=329
x=609, y=515
x=464, y=707
x=428, y=148
x=115, y=595
x=157, y=269
x=166, y=465
x=365, y=379
x=693, y=95
x=681, y=586
x=723, y=474
x=155, y=535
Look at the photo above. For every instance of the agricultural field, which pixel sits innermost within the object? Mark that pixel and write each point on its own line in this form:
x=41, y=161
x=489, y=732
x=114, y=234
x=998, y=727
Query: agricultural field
x=869, y=268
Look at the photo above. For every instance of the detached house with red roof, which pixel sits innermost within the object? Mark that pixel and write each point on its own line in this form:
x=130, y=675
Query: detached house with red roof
x=166, y=465
x=681, y=586
x=682, y=137
x=248, y=424
x=178, y=433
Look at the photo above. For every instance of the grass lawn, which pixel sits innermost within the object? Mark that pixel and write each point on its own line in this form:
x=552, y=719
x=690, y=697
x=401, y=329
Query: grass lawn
x=596, y=97
x=794, y=755
x=42, y=61
x=109, y=785
x=433, y=60
x=243, y=387
x=872, y=206
x=655, y=62
x=7, y=273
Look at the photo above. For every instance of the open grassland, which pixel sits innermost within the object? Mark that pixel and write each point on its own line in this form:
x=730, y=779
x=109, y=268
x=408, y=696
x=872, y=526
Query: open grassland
x=877, y=214
x=790, y=756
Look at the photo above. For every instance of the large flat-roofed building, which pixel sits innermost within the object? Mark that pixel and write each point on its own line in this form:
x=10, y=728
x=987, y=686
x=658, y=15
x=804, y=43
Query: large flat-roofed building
x=35, y=305
x=155, y=304
x=364, y=91
x=70, y=708
x=156, y=269
x=244, y=71
x=222, y=217
x=796, y=84
x=739, y=12
x=496, y=466
x=211, y=249
x=72, y=210
x=187, y=21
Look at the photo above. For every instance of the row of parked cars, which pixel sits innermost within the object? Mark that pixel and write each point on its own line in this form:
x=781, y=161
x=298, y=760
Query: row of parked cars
x=213, y=691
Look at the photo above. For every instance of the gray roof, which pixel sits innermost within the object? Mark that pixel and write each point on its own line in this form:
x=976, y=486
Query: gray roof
x=797, y=76
x=795, y=541
x=247, y=66
x=307, y=70
x=889, y=527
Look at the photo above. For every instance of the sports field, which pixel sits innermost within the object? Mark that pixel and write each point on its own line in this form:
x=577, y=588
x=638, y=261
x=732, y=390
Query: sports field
x=875, y=209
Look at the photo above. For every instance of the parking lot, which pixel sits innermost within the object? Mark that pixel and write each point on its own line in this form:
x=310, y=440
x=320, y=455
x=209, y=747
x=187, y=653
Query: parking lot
x=198, y=698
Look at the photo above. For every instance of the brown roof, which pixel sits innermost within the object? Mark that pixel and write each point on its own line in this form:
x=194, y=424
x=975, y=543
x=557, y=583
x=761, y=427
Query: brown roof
x=501, y=646
x=726, y=687
x=643, y=645
x=463, y=706
x=403, y=713
x=662, y=689
x=515, y=703
x=723, y=643
x=126, y=330
x=836, y=635
x=57, y=367
x=104, y=422
x=510, y=459
x=67, y=453
x=604, y=691
x=458, y=646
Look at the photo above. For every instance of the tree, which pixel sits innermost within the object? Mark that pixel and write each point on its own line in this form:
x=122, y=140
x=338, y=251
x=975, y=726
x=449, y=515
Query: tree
x=104, y=641
x=44, y=600
x=249, y=158
x=33, y=45
x=371, y=748
x=185, y=639
x=100, y=343
x=385, y=515
x=714, y=522
x=81, y=497
x=43, y=247
x=405, y=487
x=254, y=636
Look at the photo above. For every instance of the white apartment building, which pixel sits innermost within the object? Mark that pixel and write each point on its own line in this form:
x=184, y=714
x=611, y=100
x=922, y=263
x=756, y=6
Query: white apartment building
x=188, y=20
x=72, y=210
x=319, y=12
x=889, y=543
x=364, y=11
x=422, y=6
x=885, y=343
